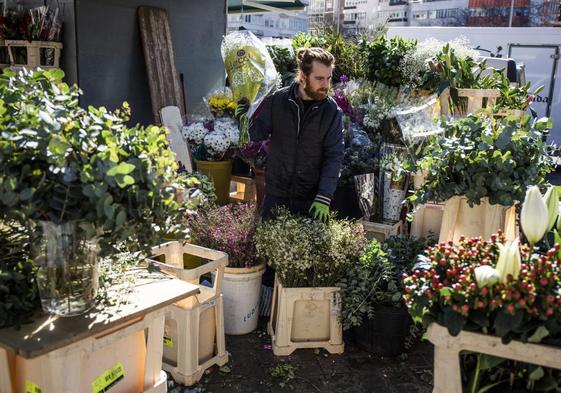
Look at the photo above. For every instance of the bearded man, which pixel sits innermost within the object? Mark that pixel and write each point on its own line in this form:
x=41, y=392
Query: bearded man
x=305, y=126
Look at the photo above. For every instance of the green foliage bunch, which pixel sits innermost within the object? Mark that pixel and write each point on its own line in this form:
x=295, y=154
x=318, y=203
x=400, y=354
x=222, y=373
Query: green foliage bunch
x=517, y=97
x=347, y=52
x=377, y=278
x=306, y=252
x=61, y=162
x=479, y=158
x=383, y=57
x=284, y=60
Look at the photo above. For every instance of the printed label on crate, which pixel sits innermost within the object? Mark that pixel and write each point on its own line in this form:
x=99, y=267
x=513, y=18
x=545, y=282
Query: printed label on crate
x=336, y=304
x=168, y=342
x=30, y=387
x=108, y=379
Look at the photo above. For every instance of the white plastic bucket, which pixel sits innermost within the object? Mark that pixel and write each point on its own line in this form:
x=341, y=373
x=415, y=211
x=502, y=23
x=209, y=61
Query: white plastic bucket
x=240, y=289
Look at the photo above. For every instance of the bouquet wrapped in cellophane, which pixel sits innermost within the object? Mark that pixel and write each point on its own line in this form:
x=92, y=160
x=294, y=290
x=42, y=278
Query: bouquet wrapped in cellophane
x=251, y=73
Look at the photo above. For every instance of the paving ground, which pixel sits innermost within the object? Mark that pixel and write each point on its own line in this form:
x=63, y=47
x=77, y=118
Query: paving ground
x=254, y=368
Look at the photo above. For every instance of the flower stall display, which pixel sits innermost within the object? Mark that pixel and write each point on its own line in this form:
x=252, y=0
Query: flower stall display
x=510, y=290
x=372, y=294
x=231, y=229
x=309, y=258
x=251, y=73
x=213, y=143
x=457, y=165
x=30, y=38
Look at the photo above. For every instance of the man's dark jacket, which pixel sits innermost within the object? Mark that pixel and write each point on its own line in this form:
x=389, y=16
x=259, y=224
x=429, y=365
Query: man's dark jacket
x=306, y=150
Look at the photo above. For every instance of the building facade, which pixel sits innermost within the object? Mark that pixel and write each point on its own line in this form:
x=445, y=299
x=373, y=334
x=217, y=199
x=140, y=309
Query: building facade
x=324, y=14
x=270, y=24
x=359, y=15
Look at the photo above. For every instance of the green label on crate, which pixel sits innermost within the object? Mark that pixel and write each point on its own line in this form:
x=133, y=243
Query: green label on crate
x=30, y=387
x=168, y=342
x=109, y=378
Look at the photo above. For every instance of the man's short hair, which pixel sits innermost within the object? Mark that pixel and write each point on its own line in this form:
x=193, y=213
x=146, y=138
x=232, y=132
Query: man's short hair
x=306, y=57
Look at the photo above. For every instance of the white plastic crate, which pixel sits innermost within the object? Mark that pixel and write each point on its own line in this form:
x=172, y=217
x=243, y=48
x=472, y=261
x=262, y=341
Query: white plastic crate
x=305, y=318
x=194, y=337
x=447, y=372
x=381, y=231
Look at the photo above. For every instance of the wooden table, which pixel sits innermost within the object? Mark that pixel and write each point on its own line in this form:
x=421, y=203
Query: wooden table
x=53, y=343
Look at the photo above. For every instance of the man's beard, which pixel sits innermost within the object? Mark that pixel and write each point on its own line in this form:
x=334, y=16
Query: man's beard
x=316, y=95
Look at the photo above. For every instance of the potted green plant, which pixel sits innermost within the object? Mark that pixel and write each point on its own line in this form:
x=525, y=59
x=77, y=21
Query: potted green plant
x=309, y=259
x=231, y=229
x=457, y=168
x=372, y=293
x=82, y=182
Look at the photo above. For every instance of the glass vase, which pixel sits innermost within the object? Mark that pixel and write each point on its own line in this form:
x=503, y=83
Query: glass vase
x=68, y=268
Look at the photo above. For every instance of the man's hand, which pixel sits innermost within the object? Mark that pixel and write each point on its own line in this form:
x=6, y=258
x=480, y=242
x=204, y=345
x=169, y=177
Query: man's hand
x=320, y=211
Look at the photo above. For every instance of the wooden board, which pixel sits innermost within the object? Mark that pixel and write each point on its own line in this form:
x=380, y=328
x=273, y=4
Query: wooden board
x=152, y=291
x=159, y=56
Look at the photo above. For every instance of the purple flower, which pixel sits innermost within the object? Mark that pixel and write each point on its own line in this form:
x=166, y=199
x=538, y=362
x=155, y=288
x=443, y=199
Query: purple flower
x=342, y=101
x=255, y=153
x=343, y=78
x=230, y=229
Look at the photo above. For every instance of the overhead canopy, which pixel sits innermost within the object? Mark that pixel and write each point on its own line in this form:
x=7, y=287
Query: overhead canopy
x=263, y=6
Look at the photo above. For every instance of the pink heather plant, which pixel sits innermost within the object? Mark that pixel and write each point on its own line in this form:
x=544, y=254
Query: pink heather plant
x=230, y=229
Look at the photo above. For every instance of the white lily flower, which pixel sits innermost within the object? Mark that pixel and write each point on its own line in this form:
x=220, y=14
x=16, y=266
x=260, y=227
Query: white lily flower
x=534, y=218
x=551, y=199
x=486, y=276
x=509, y=260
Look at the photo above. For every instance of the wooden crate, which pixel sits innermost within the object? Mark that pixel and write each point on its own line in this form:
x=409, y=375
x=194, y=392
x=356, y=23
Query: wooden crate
x=480, y=220
x=381, y=231
x=194, y=337
x=120, y=344
x=447, y=374
x=33, y=53
x=475, y=100
x=427, y=220
x=245, y=189
x=4, y=54
x=305, y=318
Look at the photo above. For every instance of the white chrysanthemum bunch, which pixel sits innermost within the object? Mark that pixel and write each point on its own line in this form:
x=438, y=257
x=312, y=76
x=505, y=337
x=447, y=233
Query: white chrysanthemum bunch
x=195, y=132
x=228, y=127
x=217, y=143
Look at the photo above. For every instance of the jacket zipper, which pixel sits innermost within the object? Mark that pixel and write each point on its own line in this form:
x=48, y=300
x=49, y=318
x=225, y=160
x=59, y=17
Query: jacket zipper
x=298, y=109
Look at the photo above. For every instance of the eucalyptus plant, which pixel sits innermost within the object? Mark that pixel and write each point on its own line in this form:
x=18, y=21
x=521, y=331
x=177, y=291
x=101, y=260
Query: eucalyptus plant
x=376, y=278
x=481, y=157
x=61, y=162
